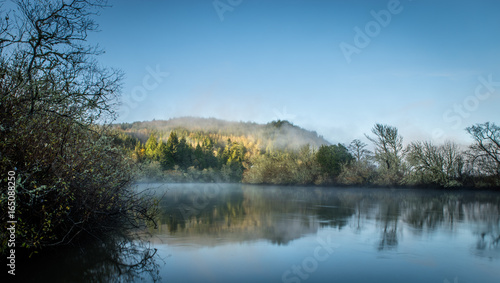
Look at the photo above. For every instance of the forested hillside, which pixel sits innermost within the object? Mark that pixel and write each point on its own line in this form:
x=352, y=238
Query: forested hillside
x=275, y=135
x=198, y=149
x=211, y=150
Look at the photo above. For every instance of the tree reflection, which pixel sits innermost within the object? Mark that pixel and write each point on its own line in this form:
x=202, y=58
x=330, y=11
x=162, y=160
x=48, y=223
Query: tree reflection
x=389, y=238
x=239, y=213
x=116, y=260
x=388, y=215
x=487, y=245
x=486, y=217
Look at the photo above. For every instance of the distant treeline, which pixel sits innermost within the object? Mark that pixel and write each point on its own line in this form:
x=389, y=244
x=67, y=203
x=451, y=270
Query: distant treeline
x=183, y=155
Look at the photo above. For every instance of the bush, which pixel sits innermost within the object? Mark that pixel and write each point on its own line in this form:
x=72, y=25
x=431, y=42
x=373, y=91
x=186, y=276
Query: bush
x=72, y=181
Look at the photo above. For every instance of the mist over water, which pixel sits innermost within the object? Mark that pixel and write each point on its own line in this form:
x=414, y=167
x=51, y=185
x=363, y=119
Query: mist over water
x=227, y=232
x=248, y=233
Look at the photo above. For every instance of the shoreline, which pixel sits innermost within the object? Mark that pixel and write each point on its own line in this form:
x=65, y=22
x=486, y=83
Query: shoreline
x=372, y=186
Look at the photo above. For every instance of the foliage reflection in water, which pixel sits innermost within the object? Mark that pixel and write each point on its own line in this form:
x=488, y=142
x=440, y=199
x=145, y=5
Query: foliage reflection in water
x=247, y=233
x=116, y=260
x=439, y=230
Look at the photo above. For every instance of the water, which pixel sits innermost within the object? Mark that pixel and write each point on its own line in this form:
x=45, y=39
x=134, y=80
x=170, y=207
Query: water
x=246, y=233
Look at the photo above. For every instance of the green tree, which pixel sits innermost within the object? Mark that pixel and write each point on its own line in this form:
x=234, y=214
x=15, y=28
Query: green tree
x=284, y=167
x=172, y=143
x=183, y=154
x=199, y=161
x=151, y=148
x=208, y=144
x=168, y=152
x=139, y=152
x=231, y=161
x=331, y=158
x=308, y=168
x=236, y=153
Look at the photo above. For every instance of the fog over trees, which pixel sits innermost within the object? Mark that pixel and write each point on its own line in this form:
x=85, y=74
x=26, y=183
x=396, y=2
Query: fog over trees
x=259, y=154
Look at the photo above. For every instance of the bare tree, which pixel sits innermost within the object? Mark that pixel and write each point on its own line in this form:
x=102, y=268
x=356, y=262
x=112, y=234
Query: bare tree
x=358, y=150
x=388, y=152
x=484, y=154
x=388, y=146
x=442, y=165
x=54, y=102
x=46, y=44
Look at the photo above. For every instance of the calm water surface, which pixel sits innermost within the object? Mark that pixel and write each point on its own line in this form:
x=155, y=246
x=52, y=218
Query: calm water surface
x=246, y=233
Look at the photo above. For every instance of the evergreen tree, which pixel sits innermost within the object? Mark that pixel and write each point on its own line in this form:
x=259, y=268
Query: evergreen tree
x=183, y=154
x=151, y=148
x=168, y=151
x=199, y=158
x=139, y=152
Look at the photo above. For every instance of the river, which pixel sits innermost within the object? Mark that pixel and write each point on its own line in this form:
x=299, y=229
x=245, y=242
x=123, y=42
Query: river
x=247, y=233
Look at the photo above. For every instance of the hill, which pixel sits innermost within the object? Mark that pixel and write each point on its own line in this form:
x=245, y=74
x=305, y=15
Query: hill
x=210, y=150
x=280, y=135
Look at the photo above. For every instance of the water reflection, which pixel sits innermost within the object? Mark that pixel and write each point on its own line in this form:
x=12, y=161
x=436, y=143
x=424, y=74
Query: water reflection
x=485, y=217
x=245, y=233
x=214, y=214
x=228, y=213
x=115, y=260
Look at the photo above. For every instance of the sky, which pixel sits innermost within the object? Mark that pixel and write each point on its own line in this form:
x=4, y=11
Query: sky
x=429, y=68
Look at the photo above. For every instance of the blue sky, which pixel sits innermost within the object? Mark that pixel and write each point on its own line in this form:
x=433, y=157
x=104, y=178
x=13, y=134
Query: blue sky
x=430, y=68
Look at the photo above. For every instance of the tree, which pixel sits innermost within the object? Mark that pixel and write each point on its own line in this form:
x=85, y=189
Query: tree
x=307, y=169
x=388, y=153
x=277, y=167
x=430, y=164
x=199, y=158
x=172, y=143
x=183, y=154
x=358, y=150
x=231, y=161
x=168, y=151
x=151, y=148
x=139, y=152
x=55, y=102
x=332, y=157
x=208, y=144
x=51, y=68
x=484, y=154
x=361, y=171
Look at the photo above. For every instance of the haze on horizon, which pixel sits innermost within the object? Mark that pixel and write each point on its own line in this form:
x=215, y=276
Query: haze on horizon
x=336, y=67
